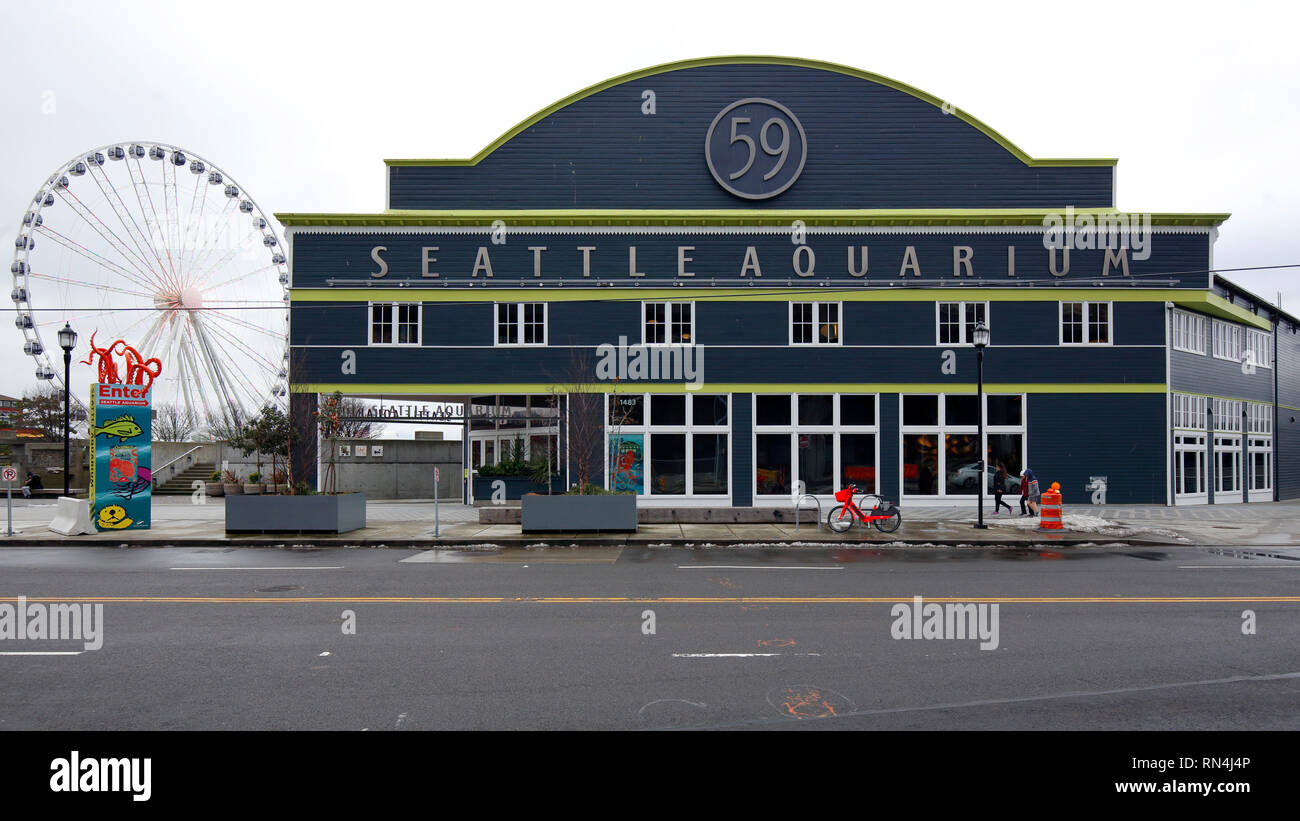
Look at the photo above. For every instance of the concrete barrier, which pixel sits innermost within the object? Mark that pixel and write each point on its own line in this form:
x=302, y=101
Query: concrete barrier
x=72, y=517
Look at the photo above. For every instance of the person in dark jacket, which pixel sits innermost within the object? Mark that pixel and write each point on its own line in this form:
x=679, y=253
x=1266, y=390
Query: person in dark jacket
x=33, y=483
x=1024, y=496
x=1000, y=487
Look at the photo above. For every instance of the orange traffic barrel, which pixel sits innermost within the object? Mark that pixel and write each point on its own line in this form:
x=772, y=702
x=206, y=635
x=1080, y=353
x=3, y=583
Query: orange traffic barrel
x=1049, y=510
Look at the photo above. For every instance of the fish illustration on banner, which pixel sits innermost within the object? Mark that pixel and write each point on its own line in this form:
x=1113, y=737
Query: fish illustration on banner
x=121, y=433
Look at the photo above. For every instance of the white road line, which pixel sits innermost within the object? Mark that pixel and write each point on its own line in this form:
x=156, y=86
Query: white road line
x=1239, y=566
x=303, y=567
x=747, y=567
x=43, y=653
x=736, y=655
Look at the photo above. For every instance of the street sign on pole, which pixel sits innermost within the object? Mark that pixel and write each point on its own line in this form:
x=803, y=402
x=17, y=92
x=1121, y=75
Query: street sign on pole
x=437, y=474
x=10, y=475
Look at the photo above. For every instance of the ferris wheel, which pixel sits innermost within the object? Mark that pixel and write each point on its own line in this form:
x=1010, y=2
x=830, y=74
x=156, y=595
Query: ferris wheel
x=152, y=244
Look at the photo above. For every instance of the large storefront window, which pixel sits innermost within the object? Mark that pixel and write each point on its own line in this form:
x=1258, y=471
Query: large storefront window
x=669, y=445
x=940, y=442
x=513, y=426
x=814, y=443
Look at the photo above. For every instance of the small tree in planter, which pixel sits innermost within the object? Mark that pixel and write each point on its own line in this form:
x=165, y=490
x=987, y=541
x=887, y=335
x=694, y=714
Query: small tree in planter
x=214, y=486
x=230, y=483
x=327, y=421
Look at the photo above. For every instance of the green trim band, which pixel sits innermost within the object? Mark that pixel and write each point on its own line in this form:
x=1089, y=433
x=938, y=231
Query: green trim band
x=659, y=387
x=1203, y=301
x=759, y=60
x=729, y=218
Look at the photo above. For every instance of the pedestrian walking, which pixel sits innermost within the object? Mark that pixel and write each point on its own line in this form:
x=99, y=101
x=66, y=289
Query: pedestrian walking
x=1000, y=487
x=1030, y=495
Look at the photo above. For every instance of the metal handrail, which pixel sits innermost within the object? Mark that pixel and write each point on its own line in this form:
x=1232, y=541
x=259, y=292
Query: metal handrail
x=168, y=464
x=797, y=508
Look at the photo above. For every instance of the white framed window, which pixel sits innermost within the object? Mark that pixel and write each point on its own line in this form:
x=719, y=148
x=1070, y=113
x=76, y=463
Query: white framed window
x=668, y=323
x=394, y=323
x=520, y=323
x=669, y=446
x=814, y=443
x=1189, y=465
x=1227, y=464
x=1259, y=464
x=1259, y=348
x=815, y=323
x=1086, y=323
x=1189, y=332
x=1227, y=415
x=1260, y=418
x=939, y=451
x=955, y=321
x=1227, y=340
x=1189, y=411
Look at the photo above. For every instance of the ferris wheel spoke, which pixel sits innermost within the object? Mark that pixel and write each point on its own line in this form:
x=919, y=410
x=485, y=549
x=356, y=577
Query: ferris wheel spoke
x=218, y=228
x=154, y=227
x=118, y=203
x=245, y=324
x=225, y=383
x=105, y=233
x=233, y=339
x=201, y=276
x=241, y=277
x=98, y=259
x=124, y=216
x=88, y=285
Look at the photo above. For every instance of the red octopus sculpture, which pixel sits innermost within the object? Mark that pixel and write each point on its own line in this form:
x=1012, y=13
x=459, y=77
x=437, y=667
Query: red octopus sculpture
x=137, y=367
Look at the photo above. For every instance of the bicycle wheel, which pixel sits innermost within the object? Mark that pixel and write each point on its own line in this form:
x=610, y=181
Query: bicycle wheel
x=840, y=519
x=889, y=525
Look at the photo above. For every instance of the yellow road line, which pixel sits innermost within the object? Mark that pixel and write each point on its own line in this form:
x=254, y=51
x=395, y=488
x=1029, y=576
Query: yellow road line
x=659, y=599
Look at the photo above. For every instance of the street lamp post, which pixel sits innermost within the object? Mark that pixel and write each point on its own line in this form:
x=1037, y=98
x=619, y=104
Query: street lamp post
x=67, y=341
x=980, y=336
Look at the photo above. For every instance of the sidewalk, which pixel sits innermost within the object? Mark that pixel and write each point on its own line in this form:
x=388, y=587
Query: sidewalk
x=177, y=522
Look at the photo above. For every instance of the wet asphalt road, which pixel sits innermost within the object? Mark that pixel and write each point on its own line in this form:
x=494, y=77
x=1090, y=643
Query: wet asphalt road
x=1113, y=638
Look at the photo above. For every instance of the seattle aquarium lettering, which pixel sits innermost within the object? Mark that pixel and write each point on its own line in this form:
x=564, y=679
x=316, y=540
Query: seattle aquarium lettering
x=749, y=262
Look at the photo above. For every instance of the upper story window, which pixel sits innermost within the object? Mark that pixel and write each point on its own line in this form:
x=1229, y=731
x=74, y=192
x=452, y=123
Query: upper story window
x=957, y=321
x=394, y=323
x=521, y=323
x=1189, y=332
x=1227, y=340
x=1085, y=323
x=814, y=323
x=668, y=323
x=1259, y=349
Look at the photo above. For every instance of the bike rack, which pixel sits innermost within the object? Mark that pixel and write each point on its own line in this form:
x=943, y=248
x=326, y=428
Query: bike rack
x=797, y=508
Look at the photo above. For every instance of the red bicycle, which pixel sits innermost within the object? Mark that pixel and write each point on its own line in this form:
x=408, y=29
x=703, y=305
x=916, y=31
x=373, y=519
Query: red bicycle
x=884, y=514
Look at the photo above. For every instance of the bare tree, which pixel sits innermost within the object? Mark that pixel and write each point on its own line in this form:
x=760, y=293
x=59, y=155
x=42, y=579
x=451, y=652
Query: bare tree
x=355, y=428
x=42, y=410
x=172, y=423
x=582, y=418
x=219, y=428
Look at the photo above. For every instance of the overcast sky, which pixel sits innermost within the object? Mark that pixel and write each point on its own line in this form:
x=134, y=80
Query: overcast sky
x=302, y=101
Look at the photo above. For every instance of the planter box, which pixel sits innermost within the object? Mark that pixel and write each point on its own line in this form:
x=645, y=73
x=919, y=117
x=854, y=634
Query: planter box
x=251, y=489
x=233, y=488
x=616, y=512
x=296, y=514
x=214, y=489
x=516, y=486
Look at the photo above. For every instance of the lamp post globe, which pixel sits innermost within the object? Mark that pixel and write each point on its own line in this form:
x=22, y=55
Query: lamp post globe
x=980, y=338
x=67, y=341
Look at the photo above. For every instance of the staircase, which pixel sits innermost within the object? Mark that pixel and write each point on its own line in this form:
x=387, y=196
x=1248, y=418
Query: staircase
x=182, y=483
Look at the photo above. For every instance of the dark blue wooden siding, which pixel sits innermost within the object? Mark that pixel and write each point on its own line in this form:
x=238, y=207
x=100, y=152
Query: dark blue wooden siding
x=1204, y=374
x=1119, y=436
x=742, y=449
x=869, y=146
x=888, y=471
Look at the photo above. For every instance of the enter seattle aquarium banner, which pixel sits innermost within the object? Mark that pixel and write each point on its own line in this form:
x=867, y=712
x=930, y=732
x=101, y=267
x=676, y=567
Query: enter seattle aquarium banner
x=121, y=428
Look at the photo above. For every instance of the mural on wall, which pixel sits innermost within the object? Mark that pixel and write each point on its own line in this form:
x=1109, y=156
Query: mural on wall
x=627, y=452
x=121, y=433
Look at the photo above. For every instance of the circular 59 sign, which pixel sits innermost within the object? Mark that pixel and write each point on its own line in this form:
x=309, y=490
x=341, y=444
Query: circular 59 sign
x=755, y=148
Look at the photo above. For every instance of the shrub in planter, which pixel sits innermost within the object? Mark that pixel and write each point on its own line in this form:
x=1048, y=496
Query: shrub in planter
x=230, y=483
x=213, y=486
x=254, y=484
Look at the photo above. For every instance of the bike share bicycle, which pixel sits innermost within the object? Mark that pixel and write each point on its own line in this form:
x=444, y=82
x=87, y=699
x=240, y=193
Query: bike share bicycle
x=884, y=514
